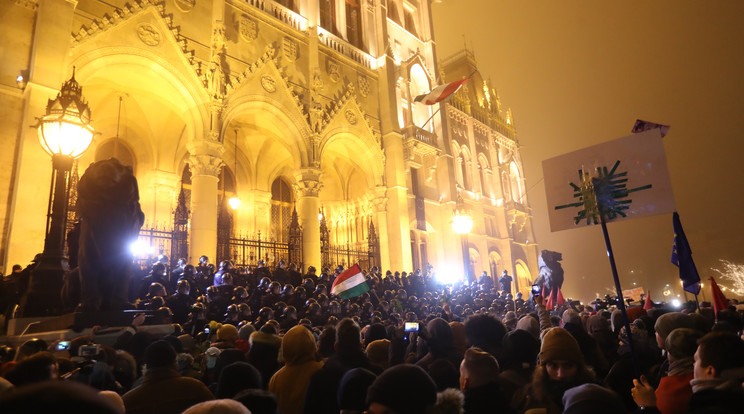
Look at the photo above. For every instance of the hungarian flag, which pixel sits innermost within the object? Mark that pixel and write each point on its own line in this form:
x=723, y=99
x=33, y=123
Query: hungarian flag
x=350, y=283
x=440, y=93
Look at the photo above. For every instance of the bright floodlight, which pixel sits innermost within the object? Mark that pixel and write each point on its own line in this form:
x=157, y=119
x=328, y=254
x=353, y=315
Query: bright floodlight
x=140, y=248
x=448, y=275
x=462, y=223
x=676, y=303
x=234, y=203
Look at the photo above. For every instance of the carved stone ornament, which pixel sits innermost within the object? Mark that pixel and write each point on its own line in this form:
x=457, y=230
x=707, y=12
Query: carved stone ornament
x=268, y=83
x=248, y=28
x=148, y=34
x=334, y=70
x=350, y=116
x=185, y=5
x=309, y=188
x=205, y=165
x=289, y=47
x=363, y=85
x=317, y=81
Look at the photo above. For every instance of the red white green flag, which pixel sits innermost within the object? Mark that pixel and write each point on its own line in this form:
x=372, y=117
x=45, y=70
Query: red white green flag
x=350, y=283
x=440, y=93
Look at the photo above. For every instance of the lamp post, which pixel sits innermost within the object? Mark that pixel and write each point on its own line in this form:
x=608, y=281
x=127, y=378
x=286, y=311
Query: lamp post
x=65, y=133
x=234, y=201
x=462, y=223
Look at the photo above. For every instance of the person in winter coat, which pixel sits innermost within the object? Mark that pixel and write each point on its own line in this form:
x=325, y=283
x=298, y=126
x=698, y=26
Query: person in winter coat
x=561, y=366
x=299, y=354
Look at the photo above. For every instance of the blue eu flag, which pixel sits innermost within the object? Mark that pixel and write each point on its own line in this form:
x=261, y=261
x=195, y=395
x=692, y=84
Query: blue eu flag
x=682, y=258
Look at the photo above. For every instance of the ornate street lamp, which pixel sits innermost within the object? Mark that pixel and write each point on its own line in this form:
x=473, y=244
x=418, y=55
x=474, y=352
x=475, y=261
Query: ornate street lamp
x=65, y=133
x=462, y=224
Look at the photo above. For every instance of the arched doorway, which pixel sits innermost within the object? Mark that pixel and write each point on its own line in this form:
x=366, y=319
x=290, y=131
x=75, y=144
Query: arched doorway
x=282, y=199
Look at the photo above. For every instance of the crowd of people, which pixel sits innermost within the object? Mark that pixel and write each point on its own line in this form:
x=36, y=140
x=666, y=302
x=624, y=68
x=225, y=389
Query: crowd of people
x=277, y=341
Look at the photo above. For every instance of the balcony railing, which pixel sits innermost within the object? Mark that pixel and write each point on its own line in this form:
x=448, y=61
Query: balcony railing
x=421, y=135
x=340, y=45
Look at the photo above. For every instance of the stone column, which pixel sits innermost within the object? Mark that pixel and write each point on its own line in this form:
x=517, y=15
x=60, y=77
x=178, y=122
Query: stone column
x=380, y=211
x=308, y=187
x=205, y=170
x=398, y=231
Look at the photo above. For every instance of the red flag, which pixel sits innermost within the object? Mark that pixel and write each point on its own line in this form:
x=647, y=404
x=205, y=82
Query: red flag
x=549, y=304
x=719, y=301
x=440, y=93
x=648, y=304
x=560, y=300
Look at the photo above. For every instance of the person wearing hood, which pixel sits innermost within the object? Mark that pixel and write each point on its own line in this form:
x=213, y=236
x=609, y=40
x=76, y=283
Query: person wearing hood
x=561, y=366
x=264, y=352
x=441, y=344
x=299, y=354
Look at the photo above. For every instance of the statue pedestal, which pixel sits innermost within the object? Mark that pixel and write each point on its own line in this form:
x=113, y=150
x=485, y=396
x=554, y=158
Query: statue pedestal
x=76, y=321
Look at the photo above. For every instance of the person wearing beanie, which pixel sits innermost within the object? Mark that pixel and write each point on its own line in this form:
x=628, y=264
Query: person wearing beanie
x=402, y=389
x=530, y=325
x=264, y=352
x=244, y=335
x=377, y=352
x=163, y=389
x=518, y=362
x=299, y=354
x=226, y=337
x=674, y=391
x=561, y=366
x=348, y=354
x=591, y=399
x=479, y=372
x=663, y=326
x=510, y=320
x=237, y=377
x=352, y=391
x=224, y=406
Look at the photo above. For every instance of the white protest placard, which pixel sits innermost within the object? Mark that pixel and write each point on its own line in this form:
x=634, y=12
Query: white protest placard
x=630, y=173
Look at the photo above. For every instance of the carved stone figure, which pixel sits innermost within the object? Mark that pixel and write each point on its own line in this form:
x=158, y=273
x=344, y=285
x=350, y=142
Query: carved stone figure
x=110, y=220
x=551, y=272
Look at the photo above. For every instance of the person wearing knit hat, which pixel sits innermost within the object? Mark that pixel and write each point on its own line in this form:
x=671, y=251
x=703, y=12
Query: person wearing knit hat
x=530, y=325
x=561, y=366
x=510, y=320
x=352, y=391
x=226, y=337
x=669, y=322
x=378, y=354
x=402, y=389
x=591, y=399
x=223, y=406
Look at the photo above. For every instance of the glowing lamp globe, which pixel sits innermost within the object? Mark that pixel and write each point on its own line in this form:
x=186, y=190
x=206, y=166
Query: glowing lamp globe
x=234, y=203
x=462, y=223
x=65, y=128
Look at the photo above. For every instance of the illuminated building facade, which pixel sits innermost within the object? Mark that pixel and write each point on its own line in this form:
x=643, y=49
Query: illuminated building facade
x=291, y=106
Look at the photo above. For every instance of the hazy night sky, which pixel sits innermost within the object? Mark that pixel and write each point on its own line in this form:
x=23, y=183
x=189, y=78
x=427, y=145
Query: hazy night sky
x=577, y=73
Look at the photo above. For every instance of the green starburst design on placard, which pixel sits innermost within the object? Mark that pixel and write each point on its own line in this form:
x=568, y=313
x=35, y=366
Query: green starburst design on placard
x=607, y=190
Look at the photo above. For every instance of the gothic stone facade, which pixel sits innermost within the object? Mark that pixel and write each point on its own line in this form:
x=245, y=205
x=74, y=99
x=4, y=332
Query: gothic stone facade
x=286, y=104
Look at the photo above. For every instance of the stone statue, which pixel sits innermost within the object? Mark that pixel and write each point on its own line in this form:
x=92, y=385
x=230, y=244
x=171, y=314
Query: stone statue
x=110, y=220
x=551, y=272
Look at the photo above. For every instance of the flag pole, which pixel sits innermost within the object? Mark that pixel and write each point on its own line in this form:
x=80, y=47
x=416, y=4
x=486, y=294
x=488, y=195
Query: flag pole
x=432, y=116
x=620, y=301
x=697, y=303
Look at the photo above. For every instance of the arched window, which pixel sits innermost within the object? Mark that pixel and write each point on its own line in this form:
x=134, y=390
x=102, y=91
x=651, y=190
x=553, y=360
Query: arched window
x=410, y=23
x=420, y=85
x=116, y=148
x=494, y=264
x=282, y=199
x=516, y=182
